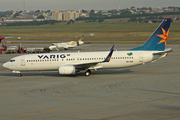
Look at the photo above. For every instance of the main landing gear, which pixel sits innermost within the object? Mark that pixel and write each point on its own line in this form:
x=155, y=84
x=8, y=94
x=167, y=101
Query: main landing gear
x=87, y=73
x=20, y=74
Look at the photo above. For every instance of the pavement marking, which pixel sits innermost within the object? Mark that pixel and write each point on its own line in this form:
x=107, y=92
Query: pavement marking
x=68, y=92
x=132, y=98
x=89, y=82
x=151, y=71
x=50, y=110
x=4, y=88
x=11, y=92
x=167, y=100
x=178, y=91
x=149, y=95
x=73, y=107
x=166, y=93
x=4, y=117
x=27, y=114
x=94, y=104
x=114, y=101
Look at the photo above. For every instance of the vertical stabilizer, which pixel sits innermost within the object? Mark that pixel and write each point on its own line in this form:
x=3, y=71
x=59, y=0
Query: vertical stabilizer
x=80, y=41
x=157, y=41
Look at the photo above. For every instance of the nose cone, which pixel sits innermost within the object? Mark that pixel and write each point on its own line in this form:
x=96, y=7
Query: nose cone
x=6, y=65
x=51, y=47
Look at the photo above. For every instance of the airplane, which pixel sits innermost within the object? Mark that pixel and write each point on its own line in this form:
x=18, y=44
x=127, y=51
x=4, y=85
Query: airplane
x=1, y=38
x=66, y=45
x=73, y=62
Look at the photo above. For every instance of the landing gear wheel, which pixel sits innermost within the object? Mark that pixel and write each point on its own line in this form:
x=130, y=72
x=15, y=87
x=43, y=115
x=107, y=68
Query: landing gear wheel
x=87, y=73
x=20, y=75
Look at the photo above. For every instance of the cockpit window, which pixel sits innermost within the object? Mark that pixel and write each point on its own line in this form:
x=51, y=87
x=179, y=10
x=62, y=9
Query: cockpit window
x=53, y=45
x=12, y=60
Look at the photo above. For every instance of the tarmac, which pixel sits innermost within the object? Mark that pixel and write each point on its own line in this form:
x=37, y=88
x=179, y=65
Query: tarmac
x=145, y=92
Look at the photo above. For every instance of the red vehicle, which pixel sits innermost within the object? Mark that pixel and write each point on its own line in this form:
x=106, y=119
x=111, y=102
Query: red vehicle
x=1, y=38
x=4, y=47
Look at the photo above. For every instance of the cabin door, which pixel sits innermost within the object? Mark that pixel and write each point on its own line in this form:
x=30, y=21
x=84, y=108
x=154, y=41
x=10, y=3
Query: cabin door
x=22, y=61
x=140, y=57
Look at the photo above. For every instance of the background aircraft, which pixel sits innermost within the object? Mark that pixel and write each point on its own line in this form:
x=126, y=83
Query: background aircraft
x=66, y=45
x=1, y=38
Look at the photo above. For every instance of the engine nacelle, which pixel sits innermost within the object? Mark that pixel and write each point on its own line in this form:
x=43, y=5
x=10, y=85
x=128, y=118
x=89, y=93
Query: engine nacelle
x=67, y=70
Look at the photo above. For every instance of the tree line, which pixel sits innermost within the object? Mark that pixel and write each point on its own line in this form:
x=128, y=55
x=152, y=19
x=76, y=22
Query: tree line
x=52, y=22
x=124, y=14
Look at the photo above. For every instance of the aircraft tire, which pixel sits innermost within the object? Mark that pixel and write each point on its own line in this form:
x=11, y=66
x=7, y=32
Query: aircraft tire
x=87, y=73
x=19, y=74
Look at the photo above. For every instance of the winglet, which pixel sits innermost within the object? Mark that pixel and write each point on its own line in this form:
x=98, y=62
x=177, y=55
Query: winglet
x=163, y=52
x=108, y=58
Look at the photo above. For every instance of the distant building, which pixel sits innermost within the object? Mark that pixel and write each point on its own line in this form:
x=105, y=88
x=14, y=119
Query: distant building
x=57, y=15
x=70, y=15
x=65, y=16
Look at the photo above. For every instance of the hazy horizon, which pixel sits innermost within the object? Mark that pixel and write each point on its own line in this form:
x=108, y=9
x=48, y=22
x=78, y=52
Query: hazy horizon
x=83, y=4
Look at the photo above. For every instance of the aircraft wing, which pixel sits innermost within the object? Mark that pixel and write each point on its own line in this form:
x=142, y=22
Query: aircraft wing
x=163, y=52
x=84, y=66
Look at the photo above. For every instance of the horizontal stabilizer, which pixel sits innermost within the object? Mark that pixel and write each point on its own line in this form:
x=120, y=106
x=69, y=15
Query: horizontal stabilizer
x=162, y=52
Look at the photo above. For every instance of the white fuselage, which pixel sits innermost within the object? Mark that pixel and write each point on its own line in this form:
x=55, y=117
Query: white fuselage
x=66, y=45
x=51, y=61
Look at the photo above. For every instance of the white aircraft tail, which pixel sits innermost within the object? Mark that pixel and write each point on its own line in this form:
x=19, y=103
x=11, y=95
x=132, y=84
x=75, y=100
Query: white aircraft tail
x=80, y=41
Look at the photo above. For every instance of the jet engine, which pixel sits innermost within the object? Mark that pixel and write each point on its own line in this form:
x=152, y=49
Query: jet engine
x=67, y=70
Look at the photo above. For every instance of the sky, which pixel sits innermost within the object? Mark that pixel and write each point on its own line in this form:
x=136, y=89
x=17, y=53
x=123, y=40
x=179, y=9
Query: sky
x=61, y=5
